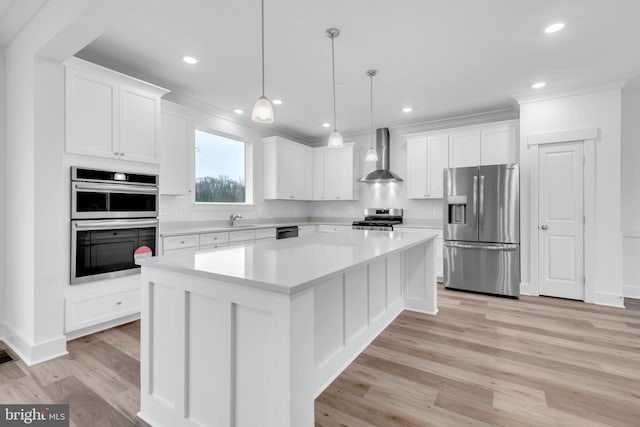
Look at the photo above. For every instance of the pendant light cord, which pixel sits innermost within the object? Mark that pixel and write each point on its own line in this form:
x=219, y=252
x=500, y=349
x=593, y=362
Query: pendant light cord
x=371, y=76
x=262, y=16
x=333, y=69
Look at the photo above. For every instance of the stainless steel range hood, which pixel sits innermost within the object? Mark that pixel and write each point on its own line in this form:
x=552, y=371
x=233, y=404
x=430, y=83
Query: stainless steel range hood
x=382, y=172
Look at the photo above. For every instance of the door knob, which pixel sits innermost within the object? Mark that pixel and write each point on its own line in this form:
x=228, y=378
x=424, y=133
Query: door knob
x=544, y=227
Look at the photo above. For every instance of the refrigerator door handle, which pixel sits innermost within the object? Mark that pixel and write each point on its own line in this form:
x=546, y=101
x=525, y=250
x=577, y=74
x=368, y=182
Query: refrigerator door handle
x=481, y=217
x=475, y=195
x=494, y=247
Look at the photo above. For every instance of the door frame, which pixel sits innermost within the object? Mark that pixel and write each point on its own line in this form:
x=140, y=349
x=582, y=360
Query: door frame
x=588, y=138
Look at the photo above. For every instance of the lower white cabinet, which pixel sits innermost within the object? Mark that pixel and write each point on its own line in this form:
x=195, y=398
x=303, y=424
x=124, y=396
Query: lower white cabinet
x=306, y=230
x=173, y=243
x=84, y=310
x=218, y=239
x=265, y=233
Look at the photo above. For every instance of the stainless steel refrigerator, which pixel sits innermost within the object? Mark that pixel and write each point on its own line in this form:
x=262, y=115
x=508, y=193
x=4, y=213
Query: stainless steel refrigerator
x=482, y=229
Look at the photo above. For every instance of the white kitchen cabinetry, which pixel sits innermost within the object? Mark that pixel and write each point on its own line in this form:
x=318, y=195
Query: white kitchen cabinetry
x=214, y=240
x=306, y=230
x=174, y=163
x=427, y=156
x=91, y=308
x=217, y=239
x=110, y=115
x=174, y=243
x=489, y=144
x=286, y=166
x=334, y=172
x=464, y=148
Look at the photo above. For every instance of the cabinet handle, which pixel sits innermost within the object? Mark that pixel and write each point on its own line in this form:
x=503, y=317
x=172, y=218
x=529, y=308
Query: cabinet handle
x=116, y=154
x=121, y=154
x=291, y=197
x=182, y=242
x=337, y=197
x=119, y=303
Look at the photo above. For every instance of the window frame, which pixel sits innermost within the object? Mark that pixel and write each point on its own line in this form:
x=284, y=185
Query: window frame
x=248, y=173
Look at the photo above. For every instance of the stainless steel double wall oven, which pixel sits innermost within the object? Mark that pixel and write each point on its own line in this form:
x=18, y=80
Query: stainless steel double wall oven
x=114, y=220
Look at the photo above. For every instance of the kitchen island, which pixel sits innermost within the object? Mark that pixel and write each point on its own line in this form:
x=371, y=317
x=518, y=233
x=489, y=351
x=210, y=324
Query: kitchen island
x=250, y=335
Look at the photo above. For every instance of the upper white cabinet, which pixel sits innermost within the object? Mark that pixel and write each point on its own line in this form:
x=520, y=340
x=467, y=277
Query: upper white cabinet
x=429, y=153
x=464, y=148
x=427, y=156
x=110, y=115
x=490, y=144
x=286, y=166
x=499, y=145
x=174, y=165
x=334, y=173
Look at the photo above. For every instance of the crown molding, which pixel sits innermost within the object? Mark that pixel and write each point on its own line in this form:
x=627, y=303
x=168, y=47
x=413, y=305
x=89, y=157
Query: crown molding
x=568, y=91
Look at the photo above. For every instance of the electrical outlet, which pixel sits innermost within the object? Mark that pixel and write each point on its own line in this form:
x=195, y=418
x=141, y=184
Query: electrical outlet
x=437, y=210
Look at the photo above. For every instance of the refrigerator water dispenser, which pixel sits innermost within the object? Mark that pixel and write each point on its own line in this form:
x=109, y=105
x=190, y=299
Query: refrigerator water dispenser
x=457, y=209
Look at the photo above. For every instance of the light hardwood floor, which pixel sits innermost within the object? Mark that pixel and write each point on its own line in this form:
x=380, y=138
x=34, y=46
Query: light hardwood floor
x=481, y=361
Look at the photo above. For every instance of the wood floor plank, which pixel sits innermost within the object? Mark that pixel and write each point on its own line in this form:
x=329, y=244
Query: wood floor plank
x=482, y=361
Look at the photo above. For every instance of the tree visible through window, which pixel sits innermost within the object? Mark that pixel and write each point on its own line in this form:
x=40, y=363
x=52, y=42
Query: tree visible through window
x=220, y=169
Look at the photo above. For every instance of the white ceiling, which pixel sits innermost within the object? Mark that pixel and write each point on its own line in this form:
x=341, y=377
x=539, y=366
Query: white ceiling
x=444, y=58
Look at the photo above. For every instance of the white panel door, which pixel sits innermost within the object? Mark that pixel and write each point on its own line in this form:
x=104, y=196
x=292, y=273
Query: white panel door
x=437, y=161
x=417, y=168
x=90, y=115
x=345, y=174
x=331, y=174
x=318, y=173
x=296, y=173
x=138, y=126
x=561, y=220
x=498, y=146
x=464, y=149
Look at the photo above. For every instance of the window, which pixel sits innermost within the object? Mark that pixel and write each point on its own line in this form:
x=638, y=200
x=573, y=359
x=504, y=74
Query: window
x=220, y=169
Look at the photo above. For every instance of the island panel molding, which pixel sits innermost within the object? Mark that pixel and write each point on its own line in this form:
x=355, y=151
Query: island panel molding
x=217, y=353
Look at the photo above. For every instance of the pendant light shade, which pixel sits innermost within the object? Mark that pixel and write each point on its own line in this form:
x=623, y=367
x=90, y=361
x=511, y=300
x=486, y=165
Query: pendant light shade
x=262, y=110
x=372, y=153
x=335, y=139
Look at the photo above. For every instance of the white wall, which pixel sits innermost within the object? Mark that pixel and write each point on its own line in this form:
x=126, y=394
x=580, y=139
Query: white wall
x=631, y=190
x=598, y=109
x=182, y=208
x=2, y=191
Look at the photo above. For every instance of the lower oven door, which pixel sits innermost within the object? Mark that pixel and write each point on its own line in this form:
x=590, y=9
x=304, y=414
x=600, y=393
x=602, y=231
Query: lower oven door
x=106, y=249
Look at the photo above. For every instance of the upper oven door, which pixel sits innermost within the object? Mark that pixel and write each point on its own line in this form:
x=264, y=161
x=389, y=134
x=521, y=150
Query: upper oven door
x=94, y=200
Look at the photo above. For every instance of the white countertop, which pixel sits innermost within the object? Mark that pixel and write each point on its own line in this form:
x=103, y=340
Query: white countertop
x=289, y=265
x=198, y=227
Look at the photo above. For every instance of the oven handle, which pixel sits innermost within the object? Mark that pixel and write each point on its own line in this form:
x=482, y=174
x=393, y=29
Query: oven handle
x=117, y=224
x=119, y=188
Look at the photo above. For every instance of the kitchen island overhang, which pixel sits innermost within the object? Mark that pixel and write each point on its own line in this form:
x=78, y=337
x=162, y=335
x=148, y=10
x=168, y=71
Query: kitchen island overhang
x=250, y=335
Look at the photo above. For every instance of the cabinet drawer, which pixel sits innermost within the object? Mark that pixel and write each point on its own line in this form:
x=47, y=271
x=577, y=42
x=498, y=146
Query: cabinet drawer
x=180, y=242
x=221, y=245
x=323, y=228
x=213, y=239
x=82, y=312
x=269, y=233
x=306, y=230
x=241, y=236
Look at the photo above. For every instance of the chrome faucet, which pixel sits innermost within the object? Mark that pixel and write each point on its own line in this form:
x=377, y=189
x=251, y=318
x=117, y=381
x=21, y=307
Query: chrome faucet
x=232, y=218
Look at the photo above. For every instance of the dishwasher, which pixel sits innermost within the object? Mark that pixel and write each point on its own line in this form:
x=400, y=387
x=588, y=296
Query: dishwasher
x=286, y=232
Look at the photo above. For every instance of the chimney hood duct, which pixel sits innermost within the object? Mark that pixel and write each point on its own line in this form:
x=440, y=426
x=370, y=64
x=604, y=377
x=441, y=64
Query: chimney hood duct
x=382, y=172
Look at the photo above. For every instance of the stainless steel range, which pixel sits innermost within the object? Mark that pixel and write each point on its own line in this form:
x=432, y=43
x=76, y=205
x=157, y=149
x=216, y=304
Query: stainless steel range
x=379, y=219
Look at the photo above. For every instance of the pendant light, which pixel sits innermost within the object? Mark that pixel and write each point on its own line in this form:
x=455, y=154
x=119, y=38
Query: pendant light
x=372, y=154
x=335, y=139
x=262, y=110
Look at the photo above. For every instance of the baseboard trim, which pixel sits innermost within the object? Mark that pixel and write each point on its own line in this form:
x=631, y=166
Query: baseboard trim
x=631, y=291
x=608, y=299
x=101, y=326
x=528, y=289
x=34, y=353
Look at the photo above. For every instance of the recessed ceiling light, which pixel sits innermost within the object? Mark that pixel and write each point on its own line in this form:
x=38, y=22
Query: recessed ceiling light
x=326, y=125
x=407, y=109
x=277, y=101
x=238, y=111
x=190, y=60
x=554, y=27
x=539, y=85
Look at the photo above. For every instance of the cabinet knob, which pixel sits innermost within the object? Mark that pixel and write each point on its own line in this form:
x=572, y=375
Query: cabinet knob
x=182, y=242
x=119, y=303
x=291, y=197
x=337, y=197
x=121, y=154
